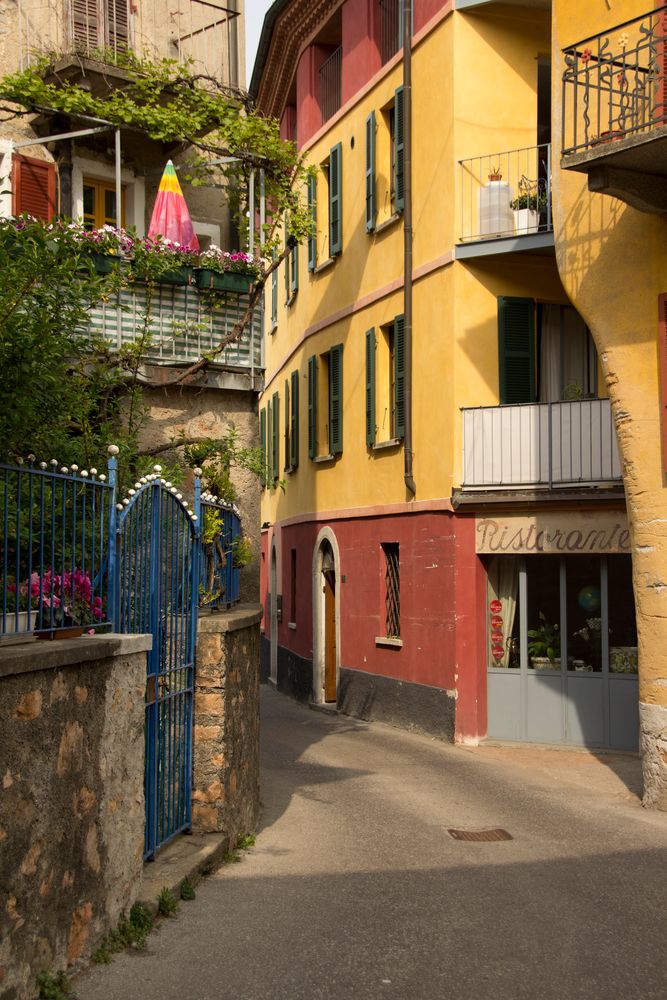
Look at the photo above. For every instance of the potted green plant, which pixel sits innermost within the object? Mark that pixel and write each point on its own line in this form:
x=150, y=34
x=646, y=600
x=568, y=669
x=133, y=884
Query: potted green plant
x=544, y=645
x=527, y=207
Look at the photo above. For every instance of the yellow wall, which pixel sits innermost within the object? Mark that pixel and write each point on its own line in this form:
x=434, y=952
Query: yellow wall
x=474, y=92
x=613, y=262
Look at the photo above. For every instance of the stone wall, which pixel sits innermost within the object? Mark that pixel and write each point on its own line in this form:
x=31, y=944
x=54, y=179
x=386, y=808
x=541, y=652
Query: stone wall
x=226, y=723
x=207, y=410
x=72, y=801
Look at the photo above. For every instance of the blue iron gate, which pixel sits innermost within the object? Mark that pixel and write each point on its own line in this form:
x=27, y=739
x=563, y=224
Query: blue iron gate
x=158, y=582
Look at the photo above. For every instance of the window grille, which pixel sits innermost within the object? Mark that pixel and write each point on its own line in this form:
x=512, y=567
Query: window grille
x=392, y=590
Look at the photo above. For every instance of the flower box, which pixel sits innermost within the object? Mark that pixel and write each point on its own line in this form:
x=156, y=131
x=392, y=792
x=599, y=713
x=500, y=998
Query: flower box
x=103, y=263
x=226, y=281
x=183, y=275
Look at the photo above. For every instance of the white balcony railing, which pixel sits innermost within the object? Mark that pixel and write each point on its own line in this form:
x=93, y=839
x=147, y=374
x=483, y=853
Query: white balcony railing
x=505, y=194
x=540, y=445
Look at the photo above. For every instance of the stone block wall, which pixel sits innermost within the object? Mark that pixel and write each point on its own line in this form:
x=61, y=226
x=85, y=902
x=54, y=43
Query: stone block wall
x=72, y=800
x=226, y=723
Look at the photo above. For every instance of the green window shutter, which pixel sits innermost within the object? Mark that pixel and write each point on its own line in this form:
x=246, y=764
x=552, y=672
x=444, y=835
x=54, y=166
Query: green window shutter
x=370, y=387
x=516, y=350
x=312, y=211
x=399, y=377
x=312, y=407
x=399, y=141
x=335, y=200
x=336, y=400
x=294, y=422
x=371, y=209
x=275, y=435
x=274, y=295
x=287, y=425
x=262, y=443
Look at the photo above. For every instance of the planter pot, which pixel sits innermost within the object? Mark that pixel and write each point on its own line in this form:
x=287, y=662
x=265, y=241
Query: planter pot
x=526, y=220
x=72, y=632
x=544, y=663
x=18, y=631
x=229, y=281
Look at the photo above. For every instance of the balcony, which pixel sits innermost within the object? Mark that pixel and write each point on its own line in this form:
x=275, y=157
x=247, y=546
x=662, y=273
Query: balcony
x=184, y=325
x=331, y=79
x=614, y=116
x=89, y=37
x=540, y=446
x=505, y=202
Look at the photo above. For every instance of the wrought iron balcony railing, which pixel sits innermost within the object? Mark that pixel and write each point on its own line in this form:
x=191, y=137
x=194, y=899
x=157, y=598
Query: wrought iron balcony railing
x=505, y=194
x=331, y=80
x=615, y=83
x=540, y=445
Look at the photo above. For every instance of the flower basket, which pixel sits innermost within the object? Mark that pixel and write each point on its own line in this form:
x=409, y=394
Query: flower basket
x=226, y=281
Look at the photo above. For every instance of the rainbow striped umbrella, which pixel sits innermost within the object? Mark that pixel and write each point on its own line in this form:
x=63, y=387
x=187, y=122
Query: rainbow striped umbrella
x=171, y=218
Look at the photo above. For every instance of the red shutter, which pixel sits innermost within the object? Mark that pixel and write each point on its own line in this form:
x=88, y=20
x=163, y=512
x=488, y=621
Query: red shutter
x=34, y=187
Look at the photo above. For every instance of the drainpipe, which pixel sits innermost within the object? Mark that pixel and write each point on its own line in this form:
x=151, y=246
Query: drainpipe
x=407, y=241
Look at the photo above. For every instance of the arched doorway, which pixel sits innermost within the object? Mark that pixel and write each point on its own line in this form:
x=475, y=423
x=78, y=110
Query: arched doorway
x=326, y=631
x=273, y=616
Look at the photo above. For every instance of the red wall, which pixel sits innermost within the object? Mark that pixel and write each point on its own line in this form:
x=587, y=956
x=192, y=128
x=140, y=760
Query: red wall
x=361, y=54
x=442, y=602
x=424, y=10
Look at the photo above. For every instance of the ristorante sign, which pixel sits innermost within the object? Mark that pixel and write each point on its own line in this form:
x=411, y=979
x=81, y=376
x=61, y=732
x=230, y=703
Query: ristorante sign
x=553, y=533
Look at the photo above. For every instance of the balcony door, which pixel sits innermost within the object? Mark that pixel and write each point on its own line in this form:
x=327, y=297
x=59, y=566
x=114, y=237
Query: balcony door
x=546, y=353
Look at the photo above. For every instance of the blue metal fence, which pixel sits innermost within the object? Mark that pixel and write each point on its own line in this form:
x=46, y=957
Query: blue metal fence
x=220, y=579
x=74, y=556
x=55, y=543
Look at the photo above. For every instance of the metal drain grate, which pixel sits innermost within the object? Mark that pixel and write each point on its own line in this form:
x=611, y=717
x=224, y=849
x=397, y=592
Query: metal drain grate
x=480, y=835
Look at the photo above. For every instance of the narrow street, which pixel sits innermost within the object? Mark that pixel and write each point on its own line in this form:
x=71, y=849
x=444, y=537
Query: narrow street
x=355, y=888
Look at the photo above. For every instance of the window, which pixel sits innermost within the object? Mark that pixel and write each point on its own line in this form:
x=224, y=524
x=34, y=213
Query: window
x=275, y=437
x=291, y=267
x=102, y=25
x=294, y=421
x=262, y=445
x=287, y=426
x=274, y=295
x=99, y=204
x=292, y=589
x=371, y=204
x=546, y=353
x=392, y=590
x=385, y=383
x=33, y=187
x=335, y=201
x=325, y=403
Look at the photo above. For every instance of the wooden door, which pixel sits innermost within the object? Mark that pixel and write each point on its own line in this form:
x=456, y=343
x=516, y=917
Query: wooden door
x=330, y=691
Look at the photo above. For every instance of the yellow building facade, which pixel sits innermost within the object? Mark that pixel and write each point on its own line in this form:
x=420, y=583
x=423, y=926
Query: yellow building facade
x=609, y=96
x=417, y=606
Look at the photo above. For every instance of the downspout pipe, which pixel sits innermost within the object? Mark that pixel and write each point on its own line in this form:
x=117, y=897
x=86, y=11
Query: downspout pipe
x=410, y=484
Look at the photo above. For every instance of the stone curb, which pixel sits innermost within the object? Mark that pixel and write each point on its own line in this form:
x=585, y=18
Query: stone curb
x=191, y=856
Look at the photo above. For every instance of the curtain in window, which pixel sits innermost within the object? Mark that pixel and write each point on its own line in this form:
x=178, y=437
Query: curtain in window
x=503, y=581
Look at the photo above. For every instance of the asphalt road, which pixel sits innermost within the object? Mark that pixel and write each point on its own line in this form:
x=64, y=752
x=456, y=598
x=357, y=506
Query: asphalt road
x=355, y=888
